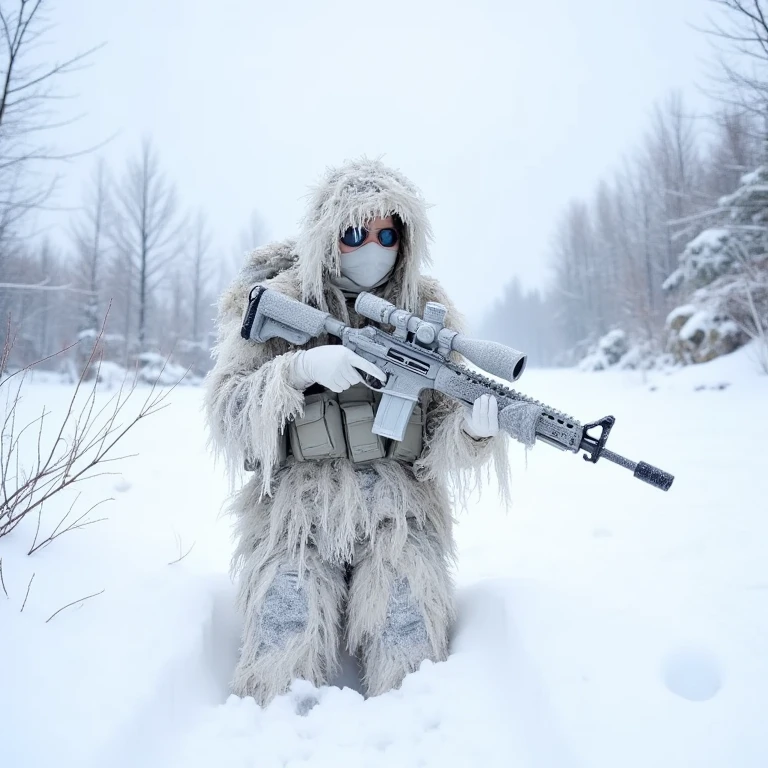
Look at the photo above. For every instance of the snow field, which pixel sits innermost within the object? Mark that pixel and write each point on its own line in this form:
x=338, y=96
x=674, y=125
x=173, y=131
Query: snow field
x=106, y=680
x=601, y=621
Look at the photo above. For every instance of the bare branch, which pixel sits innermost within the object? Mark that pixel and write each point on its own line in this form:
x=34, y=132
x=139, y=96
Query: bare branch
x=65, y=66
x=181, y=557
x=80, y=522
x=74, y=602
x=29, y=586
x=27, y=85
x=2, y=580
x=86, y=438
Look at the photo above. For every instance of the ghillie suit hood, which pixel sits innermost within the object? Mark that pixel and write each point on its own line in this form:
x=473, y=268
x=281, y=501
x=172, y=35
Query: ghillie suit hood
x=350, y=196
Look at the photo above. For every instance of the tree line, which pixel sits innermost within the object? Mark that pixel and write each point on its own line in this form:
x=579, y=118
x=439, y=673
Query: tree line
x=131, y=254
x=613, y=255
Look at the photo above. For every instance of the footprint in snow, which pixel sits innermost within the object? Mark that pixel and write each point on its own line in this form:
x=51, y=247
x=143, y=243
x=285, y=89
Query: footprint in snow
x=692, y=673
x=122, y=485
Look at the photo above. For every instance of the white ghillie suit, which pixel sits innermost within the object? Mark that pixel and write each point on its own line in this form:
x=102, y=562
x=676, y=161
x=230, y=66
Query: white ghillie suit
x=328, y=547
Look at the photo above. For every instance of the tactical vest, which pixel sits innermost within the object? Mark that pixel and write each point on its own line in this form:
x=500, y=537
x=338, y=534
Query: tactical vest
x=341, y=426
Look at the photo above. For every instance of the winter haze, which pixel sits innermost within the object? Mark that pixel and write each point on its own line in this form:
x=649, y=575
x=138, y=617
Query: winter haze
x=596, y=203
x=501, y=111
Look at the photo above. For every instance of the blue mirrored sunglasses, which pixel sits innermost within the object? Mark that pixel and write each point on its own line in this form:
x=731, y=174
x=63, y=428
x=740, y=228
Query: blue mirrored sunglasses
x=356, y=236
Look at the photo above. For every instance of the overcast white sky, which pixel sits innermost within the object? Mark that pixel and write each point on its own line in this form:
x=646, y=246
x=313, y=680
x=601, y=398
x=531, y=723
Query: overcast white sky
x=502, y=111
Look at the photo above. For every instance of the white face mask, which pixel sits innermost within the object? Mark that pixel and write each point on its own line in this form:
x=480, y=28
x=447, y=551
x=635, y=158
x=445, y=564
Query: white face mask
x=366, y=267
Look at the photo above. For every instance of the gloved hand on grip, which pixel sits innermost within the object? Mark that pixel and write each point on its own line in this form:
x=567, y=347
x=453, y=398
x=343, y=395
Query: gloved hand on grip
x=333, y=366
x=482, y=420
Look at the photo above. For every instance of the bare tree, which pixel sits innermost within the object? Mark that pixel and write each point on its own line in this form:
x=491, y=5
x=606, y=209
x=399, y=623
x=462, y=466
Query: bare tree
x=187, y=294
x=615, y=259
x=28, y=91
x=735, y=150
x=611, y=258
x=740, y=75
x=89, y=235
x=148, y=232
x=254, y=234
x=674, y=169
x=200, y=273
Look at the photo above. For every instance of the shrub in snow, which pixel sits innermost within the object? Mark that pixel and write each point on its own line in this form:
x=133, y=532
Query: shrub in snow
x=614, y=345
x=194, y=355
x=644, y=356
x=154, y=368
x=594, y=361
x=724, y=271
x=39, y=463
x=110, y=374
x=608, y=351
x=614, y=350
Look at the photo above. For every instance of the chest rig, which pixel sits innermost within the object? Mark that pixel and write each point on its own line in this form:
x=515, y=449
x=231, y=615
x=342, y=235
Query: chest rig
x=340, y=425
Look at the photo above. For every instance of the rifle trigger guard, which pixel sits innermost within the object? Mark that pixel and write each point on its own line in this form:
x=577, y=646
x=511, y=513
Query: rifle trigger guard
x=593, y=446
x=374, y=384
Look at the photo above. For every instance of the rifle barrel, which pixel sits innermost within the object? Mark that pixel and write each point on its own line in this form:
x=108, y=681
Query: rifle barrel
x=654, y=476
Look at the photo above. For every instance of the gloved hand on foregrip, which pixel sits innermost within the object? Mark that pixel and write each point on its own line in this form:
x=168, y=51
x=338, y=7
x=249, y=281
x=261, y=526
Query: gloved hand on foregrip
x=482, y=420
x=333, y=366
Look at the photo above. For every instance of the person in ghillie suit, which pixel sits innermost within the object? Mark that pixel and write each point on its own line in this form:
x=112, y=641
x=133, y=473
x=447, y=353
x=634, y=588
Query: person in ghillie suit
x=342, y=535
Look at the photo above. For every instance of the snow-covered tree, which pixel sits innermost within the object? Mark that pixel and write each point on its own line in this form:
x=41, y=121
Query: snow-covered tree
x=723, y=273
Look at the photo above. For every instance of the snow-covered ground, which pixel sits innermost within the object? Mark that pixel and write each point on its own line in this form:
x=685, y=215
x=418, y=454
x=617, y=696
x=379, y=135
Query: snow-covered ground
x=602, y=623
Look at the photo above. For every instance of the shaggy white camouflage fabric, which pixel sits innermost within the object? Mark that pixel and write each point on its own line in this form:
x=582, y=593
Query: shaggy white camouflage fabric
x=355, y=551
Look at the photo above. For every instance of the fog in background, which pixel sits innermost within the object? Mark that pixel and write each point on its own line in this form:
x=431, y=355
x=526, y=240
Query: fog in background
x=576, y=157
x=502, y=112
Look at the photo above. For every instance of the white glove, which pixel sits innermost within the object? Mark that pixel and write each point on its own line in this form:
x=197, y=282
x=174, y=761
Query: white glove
x=333, y=366
x=482, y=420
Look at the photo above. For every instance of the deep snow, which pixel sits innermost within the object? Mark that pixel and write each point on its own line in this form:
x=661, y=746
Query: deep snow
x=602, y=622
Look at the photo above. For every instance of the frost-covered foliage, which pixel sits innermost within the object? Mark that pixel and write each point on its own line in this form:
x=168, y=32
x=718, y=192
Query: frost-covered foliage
x=608, y=351
x=740, y=239
x=616, y=350
x=723, y=274
x=706, y=257
x=644, y=356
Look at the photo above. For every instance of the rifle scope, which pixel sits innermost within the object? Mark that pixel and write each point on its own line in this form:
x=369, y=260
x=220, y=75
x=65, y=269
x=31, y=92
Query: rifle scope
x=430, y=332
